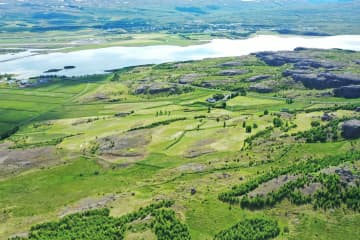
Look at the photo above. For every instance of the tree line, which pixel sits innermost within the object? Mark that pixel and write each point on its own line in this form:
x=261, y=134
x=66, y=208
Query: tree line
x=304, y=168
x=99, y=225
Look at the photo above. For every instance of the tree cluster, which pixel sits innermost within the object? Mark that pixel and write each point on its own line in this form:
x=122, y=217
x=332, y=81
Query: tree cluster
x=250, y=229
x=99, y=225
x=303, y=168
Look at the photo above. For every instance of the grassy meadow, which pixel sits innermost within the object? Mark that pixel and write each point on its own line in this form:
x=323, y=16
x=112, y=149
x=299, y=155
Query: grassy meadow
x=183, y=144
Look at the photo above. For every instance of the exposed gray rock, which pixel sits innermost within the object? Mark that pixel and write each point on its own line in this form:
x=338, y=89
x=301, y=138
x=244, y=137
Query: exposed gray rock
x=351, y=129
x=141, y=89
x=122, y=114
x=154, y=88
x=346, y=176
x=357, y=109
x=126, y=145
x=260, y=88
x=258, y=78
x=326, y=80
x=159, y=89
x=324, y=94
x=230, y=64
x=352, y=91
x=208, y=84
x=302, y=66
x=100, y=96
x=190, y=78
x=233, y=72
x=291, y=72
x=297, y=58
x=215, y=83
x=327, y=117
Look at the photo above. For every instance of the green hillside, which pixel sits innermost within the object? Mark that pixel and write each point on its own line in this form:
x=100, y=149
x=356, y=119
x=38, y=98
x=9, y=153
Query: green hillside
x=230, y=148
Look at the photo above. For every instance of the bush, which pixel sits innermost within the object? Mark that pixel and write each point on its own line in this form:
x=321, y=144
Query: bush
x=248, y=129
x=315, y=123
x=277, y=122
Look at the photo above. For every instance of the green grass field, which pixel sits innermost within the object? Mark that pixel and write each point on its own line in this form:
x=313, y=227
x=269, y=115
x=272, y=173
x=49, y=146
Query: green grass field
x=205, y=150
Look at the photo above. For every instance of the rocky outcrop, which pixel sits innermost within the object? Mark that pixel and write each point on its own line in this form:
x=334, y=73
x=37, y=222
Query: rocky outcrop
x=216, y=83
x=326, y=80
x=352, y=91
x=230, y=64
x=258, y=78
x=159, y=89
x=233, y=72
x=190, y=78
x=141, y=89
x=297, y=58
x=153, y=89
x=351, y=129
x=291, y=72
x=327, y=116
x=260, y=88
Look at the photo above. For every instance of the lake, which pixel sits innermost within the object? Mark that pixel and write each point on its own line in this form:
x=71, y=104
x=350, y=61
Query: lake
x=98, y=60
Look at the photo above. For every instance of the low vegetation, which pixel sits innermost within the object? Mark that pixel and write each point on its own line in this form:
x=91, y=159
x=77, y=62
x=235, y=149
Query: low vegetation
x=83, y=158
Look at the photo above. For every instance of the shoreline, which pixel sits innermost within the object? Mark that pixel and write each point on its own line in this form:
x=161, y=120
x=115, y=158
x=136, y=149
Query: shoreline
x=97, y=60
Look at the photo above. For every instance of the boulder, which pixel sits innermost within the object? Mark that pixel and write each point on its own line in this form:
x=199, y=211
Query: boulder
x=357, y=109
x=351, y=129
x=352, y=91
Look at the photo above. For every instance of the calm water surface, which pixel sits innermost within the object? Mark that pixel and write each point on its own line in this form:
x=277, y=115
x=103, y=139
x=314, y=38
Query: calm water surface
x=98, y=60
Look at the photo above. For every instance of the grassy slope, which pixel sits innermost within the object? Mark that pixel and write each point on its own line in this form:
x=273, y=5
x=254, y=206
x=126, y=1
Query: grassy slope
x=42, y=194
